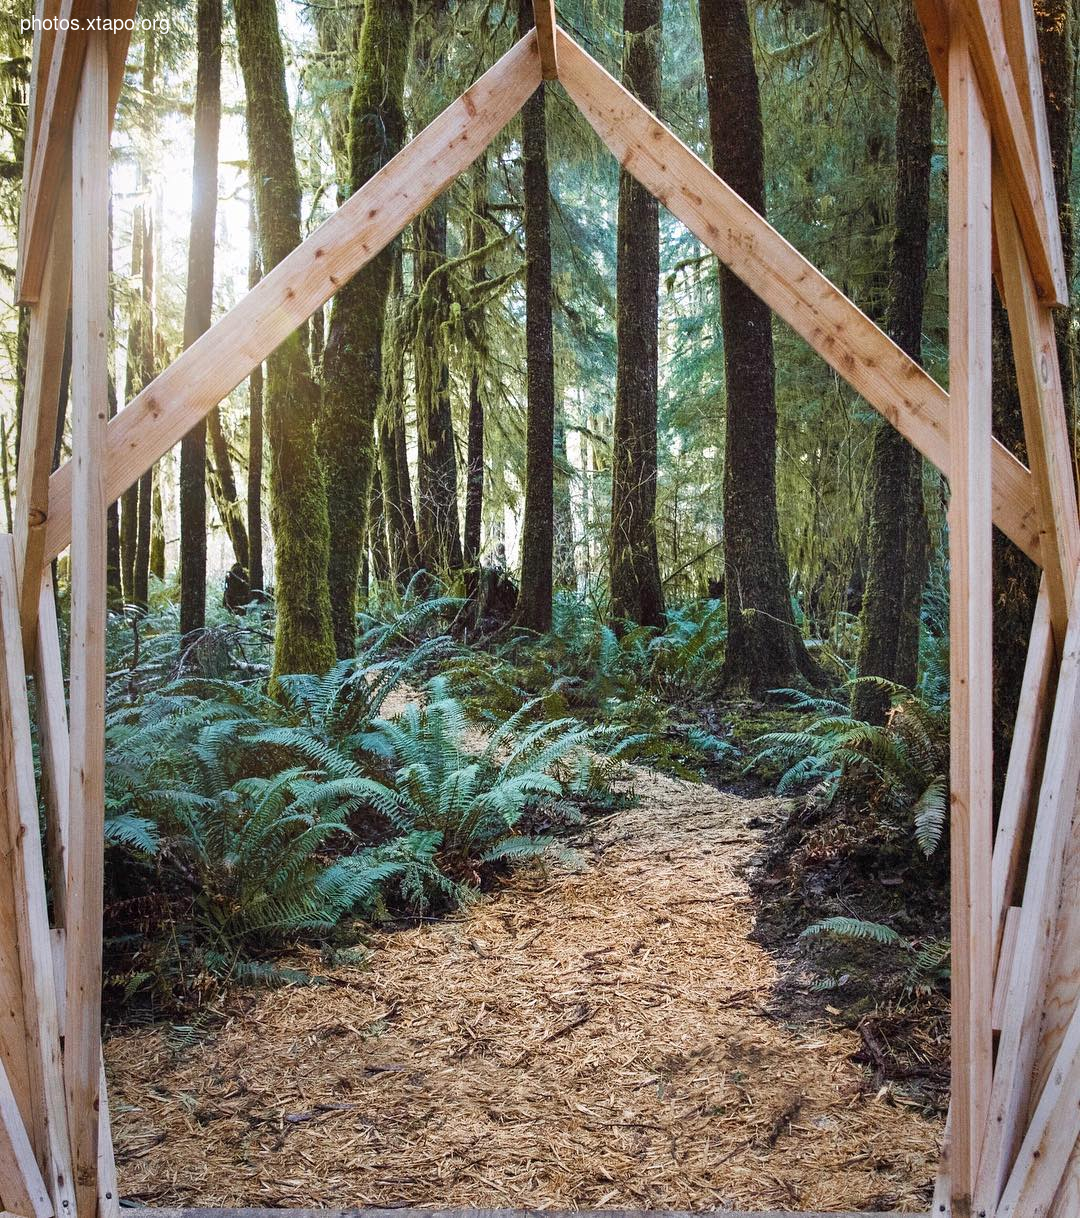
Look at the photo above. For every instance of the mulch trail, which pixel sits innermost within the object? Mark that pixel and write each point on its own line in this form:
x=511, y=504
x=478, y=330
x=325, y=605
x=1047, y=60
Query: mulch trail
x=597, y=1036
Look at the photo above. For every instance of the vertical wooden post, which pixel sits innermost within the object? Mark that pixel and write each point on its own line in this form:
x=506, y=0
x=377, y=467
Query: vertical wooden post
x=970, y=620
x=89, y=416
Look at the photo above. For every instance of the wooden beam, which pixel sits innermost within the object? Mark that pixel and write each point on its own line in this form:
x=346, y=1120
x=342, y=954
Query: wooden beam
x=89, y=414
x=1031, y=191
x=48, y=154
x=46, y=1121
x=1024, y=1010
x=51, y=153
x=1051, y=1137
x=1022, y=47
x=970, y=607
x=22, y=1190
x=166, y=410
x=1003, y=971
x=1042, y=402
x=792, y=287
x=51, y=705
x=1020, y=797
x=44, y=358
x=544, y=16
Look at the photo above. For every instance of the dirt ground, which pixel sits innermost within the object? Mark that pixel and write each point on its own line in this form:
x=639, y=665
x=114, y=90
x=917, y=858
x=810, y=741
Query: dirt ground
x=599, y=1035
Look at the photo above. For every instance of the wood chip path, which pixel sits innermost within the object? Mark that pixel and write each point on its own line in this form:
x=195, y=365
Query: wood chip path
x=594, y=1037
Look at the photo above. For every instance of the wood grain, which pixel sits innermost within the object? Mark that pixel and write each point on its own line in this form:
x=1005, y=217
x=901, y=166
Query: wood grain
x=970, y=609
x=221, y=358
x=792, y=287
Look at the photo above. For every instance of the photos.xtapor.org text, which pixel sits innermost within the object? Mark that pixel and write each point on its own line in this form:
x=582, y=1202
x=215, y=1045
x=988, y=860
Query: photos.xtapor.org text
x=105, y=24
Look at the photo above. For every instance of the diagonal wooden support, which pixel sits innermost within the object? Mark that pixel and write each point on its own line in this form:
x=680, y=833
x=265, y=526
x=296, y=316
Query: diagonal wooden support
x=1023, y=1017
x=22, y=1190
x=213, y=366
x=46, y=1119
x=970, y=607
x=1051, y=1137
x=1020, y=797
x=44, y=358
x=1046, y=431
x=1032, y=192
x=791, y=286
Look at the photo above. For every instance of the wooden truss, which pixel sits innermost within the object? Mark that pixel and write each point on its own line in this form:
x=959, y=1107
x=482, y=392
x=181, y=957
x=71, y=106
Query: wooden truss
x=1012, y=1146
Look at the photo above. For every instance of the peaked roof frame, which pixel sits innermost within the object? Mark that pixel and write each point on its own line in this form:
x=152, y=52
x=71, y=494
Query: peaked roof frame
x=1013, y=1139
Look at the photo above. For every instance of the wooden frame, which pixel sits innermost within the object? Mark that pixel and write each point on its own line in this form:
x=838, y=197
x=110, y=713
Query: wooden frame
x=1012, y=1138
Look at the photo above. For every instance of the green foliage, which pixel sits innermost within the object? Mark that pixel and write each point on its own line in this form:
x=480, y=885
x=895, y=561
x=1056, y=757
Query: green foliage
x=898, y=768
x=927, y=962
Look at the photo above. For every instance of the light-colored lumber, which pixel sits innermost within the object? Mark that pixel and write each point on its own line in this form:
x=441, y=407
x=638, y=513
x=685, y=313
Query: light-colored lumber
x=792, y=287
x=46, y=1122
x=941, y=1204
x=934, y=18
x=44, y=358
x=1062, y=999
x=970, y=608
x=53, y=736
x=51, y=150
x=1042, y=403
x=1032, y=192
x=1022, y=47
x=544, y=16
x=108, y=1192
x=1025, y=1002
x=22, y=1190
x=45, y=12
x=89, y=415
x=166, y=410
x=1020, y=795
x=1006, y=957
x=1050, y=1138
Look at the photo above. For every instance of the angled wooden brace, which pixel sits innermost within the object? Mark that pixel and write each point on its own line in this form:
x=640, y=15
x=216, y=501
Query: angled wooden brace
x=1024, y=1009
x=166, y=410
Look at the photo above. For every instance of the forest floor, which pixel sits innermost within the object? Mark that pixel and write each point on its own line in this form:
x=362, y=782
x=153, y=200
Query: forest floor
x=598, y=1034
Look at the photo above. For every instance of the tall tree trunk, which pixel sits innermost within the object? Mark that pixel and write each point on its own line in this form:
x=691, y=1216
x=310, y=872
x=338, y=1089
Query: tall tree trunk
x=157, y=528
x=303, y=639
x=896, y=548
x=223, y=487
x=474, y=462
x=565, y=571
x=636, y=592
x=393, y=445
x=764, y=646
x=113, y=583
x=352, y=365
x=1016, y=580
x=376, y=530
x=437, y=526
x=198, y=307
x=255, y=437
x=144, y=513
x=538, y=524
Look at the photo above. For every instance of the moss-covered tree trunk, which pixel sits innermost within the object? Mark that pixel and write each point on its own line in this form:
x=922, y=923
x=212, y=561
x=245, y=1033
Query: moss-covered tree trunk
x=303, y=639
x=255, y=436
x=437, y=526
x=474, y=461
x=538, y=523
x=376, y=530
x=129, y=501
x=1016, y=580
x=223, y=487
x=393, y=444
x=636, y=592
x=144, y=514
x=198, y=307
x=352, y=372
x=896, y=547
x=764, y=646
